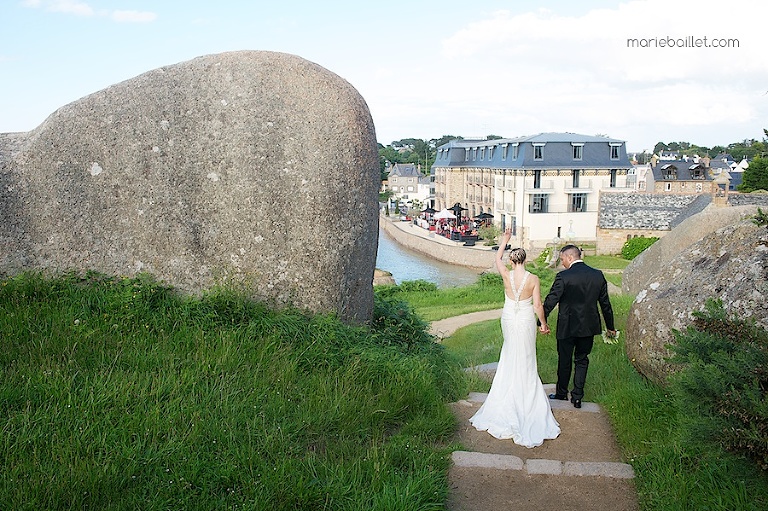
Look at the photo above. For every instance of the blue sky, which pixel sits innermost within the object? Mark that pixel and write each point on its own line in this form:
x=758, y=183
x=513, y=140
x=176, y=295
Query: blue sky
x=426, y=68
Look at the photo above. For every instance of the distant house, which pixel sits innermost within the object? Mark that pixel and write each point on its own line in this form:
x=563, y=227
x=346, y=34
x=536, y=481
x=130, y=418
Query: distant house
x=407, y=183
x=687, y=176
x=667, y=155
x=544, y=186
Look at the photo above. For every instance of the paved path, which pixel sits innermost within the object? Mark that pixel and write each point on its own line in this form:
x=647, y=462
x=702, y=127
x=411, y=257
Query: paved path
x=446, y=327
x=580, y=470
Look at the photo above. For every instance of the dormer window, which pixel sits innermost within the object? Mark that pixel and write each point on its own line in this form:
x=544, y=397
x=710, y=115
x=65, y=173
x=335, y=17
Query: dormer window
x=538, y=151
x=515, y=151
x=668, y=171
x=578, y=150
x=490, y=152
x=697, y=171
x=615, y=151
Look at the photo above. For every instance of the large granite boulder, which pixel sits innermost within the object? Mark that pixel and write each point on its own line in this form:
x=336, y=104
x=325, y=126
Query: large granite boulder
x=730, y=264
x=688, y=232
x=254, y=169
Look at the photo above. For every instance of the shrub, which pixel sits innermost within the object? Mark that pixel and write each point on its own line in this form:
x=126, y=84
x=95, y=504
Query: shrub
x=417, y=285
x=761, y=218
x=722, y=385
x=635, y=246
x=490, y=279
x=395, y=323
x=489, y=233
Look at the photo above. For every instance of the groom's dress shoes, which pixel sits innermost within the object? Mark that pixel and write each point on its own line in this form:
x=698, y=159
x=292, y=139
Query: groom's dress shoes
x=555, y=396
x=576, y=403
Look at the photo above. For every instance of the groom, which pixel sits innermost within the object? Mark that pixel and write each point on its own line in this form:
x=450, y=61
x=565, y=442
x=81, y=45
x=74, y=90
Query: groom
x=578, y=290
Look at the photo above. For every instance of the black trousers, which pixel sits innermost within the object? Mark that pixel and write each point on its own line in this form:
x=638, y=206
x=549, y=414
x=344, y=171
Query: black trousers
x=573, y=351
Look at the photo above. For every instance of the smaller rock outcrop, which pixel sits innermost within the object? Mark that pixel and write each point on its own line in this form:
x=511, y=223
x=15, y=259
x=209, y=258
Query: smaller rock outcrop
x=730, y=264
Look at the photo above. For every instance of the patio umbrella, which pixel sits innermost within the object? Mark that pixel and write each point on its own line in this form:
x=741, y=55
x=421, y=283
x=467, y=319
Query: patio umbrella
x=457, y=209
x=429, y=210
x=483, y=216
x=444, y=214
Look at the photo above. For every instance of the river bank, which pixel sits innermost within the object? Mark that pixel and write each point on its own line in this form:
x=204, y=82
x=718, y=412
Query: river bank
x=478, y=257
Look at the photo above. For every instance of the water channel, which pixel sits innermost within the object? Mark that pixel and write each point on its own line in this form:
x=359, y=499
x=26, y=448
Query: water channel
x=405, y=264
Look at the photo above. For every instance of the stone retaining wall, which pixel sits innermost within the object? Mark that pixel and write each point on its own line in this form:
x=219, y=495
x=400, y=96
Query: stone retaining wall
x=478, y=257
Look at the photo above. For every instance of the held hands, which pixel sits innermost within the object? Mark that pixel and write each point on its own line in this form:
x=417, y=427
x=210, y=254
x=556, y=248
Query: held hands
x=544, y=329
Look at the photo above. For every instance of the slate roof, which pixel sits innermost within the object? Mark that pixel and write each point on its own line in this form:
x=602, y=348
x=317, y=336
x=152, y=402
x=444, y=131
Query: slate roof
x=683, y=170
x=557, y=152
x=405, y=170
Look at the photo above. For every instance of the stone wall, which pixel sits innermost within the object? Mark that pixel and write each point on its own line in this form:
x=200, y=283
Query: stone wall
x=611, y=241
x=748, y=199
x=255, y=169
x=642, y=211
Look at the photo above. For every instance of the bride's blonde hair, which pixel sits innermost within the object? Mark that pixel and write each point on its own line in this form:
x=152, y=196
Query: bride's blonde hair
x=517, y=256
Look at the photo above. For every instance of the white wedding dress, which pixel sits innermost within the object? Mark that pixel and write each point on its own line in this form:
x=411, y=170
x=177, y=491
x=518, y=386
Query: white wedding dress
x=517, y=406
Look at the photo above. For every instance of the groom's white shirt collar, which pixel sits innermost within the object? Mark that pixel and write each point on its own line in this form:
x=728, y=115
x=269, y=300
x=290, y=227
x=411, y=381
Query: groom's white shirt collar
x=577, y=261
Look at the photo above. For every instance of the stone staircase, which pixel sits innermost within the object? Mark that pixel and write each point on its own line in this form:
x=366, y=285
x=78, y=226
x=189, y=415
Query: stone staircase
x=582, y=469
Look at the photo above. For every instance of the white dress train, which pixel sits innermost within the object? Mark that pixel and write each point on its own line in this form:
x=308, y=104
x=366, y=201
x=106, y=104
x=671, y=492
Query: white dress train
x=517, y=406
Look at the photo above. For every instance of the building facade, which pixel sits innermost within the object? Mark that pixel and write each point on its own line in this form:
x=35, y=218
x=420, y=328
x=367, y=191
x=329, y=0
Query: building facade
x=545, y=187
x=407, y=183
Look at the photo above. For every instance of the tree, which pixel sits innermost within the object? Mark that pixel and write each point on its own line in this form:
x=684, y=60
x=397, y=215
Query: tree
x=659, y=147
x=756, y=176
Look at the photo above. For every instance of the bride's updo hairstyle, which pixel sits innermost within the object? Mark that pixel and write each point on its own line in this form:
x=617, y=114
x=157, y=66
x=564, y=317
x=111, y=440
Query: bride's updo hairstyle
x=517, y=256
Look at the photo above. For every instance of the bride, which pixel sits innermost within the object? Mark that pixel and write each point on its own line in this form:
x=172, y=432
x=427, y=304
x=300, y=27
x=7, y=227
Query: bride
x=517, y=406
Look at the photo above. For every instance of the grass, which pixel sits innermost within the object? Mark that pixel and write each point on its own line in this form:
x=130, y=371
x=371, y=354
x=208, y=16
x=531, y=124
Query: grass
x=118, y=394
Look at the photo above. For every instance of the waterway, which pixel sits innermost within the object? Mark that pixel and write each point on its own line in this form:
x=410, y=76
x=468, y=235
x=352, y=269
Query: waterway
x=405, y=264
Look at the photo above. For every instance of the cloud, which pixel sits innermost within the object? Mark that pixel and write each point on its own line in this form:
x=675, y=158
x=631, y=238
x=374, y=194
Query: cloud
x=83, y=9
x=133, y=16
x=553, y=71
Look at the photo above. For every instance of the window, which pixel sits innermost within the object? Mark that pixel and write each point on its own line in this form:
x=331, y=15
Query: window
x=699, y=188
x=578, y=203
x=515, y=151
x=474, y=153
x=697, y=171
x=538, y=152
x=482, y=153
x=615, y=152
x=503, y=151
x=466, y=154
x=490, y=152
x=539, y=203
x=576, y=176
x=613, y=178
x=537, y=179
x=667, y=187
x=668, y=171
x=577, y=151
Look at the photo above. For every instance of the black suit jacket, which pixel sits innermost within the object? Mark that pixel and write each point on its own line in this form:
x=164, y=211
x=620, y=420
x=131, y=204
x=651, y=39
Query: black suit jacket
x=579, y=290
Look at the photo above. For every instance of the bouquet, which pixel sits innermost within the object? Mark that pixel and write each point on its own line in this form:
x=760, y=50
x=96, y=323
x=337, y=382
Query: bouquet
x=610, y=338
